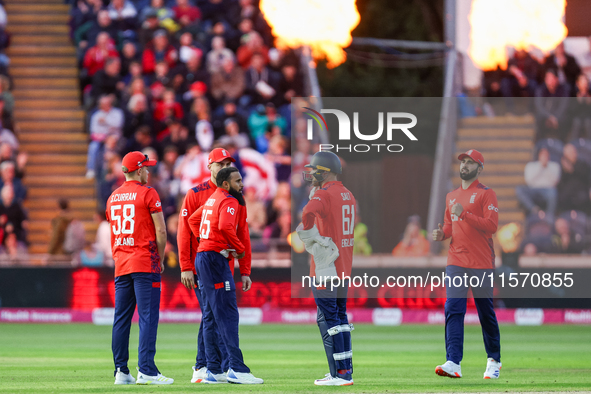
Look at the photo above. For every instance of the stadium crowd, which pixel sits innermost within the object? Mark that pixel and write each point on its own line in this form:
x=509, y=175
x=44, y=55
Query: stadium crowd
x=13, y=216
x=176, y=78
x=556, y=196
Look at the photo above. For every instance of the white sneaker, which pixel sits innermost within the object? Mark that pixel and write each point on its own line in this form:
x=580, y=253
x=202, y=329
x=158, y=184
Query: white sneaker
x=147, y=379
x=493, y=369
x=198, y=374
x=243, y=378
x=123, y=378
x=328, y=380
x=211, y=378
x=449, y=369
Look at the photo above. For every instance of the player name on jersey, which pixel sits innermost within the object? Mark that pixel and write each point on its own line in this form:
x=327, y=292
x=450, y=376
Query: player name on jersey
x=123, y=197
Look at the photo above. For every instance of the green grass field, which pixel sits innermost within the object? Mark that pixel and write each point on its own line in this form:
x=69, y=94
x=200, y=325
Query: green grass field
x=76, y=358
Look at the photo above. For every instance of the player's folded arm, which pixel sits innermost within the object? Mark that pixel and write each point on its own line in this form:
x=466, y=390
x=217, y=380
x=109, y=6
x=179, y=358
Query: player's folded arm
x=184, y=237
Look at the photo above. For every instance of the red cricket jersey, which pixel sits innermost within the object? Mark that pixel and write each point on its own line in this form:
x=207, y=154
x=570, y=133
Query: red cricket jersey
x=133, y=235
x=471, y=233
x=332, y=208
x=187, y=242
x=217, y=224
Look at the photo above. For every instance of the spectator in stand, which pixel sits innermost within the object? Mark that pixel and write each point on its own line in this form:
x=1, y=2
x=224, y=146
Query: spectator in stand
x=107, y=119
x=150, y=25
x=13, y=218
x=187, y=48
x=218, y=54
x=234, y=135
x=278, y=155
x=413, y=243
x=253, y=45
x=95, y=57
x=178, y=136
x=136, y=86
x=279, y=229
x=538, y=235
x=573, y=188
x=226, y=111
x=123, y=14
x=6, y=94
x=107, y=81
x=196, y=90
x=581, y=110
x=8, y=177
x=159, y=50
x=186, y=14
x=192, y=168
x=281, y=202
x=229, y=83
x=541, y=179
x=565, y=66
x=566, y=240
x=255, y=208
x=160, y=10
x=260, y=121
x=291, y=85
x=522, y=71
x=250, y=11
x=8, y=137
x=213, y=10
x=20, y=159
x=142, y=139
x=192, y=71
x=59, y=224
x=261, y=83
x=112, y=179
x=83, y=11
x=245, y=27
x=200, y=123
x=137, y=115
x=168, y=108
x=551, y=105
x=165, y=182
x=87, y=35
x=161, y=75
x=134, y=72
x=129, y=55
x=5, y=117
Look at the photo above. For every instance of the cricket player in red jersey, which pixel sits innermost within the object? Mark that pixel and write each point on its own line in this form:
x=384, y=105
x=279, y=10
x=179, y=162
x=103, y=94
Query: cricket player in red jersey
x=471, y=218
x=138, y=238
x=328, y=221
x=187, y=245
x=218, y=223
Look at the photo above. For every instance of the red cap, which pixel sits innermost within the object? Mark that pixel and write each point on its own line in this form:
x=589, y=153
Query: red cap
x=199, y=86
x=219, y=154
x=474, y=155
x=134, y=160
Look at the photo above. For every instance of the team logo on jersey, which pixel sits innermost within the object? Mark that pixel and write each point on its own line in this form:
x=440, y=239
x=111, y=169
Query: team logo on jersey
x=451, y=202
x=493, y=208
x=473, y=198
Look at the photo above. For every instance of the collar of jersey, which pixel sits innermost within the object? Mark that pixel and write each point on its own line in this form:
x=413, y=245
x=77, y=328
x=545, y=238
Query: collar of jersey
x=472, y=185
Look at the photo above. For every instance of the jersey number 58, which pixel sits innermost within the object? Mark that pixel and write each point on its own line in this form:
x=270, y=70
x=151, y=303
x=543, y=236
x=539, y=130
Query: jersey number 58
x=128, y=224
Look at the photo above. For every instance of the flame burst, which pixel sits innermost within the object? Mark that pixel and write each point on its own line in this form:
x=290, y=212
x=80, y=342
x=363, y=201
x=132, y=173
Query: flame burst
x=324, y=25
x=516, y=23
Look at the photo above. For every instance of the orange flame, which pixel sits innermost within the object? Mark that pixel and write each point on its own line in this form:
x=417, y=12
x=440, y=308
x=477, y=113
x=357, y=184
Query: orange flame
x=324, y=25
x=515, y=23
